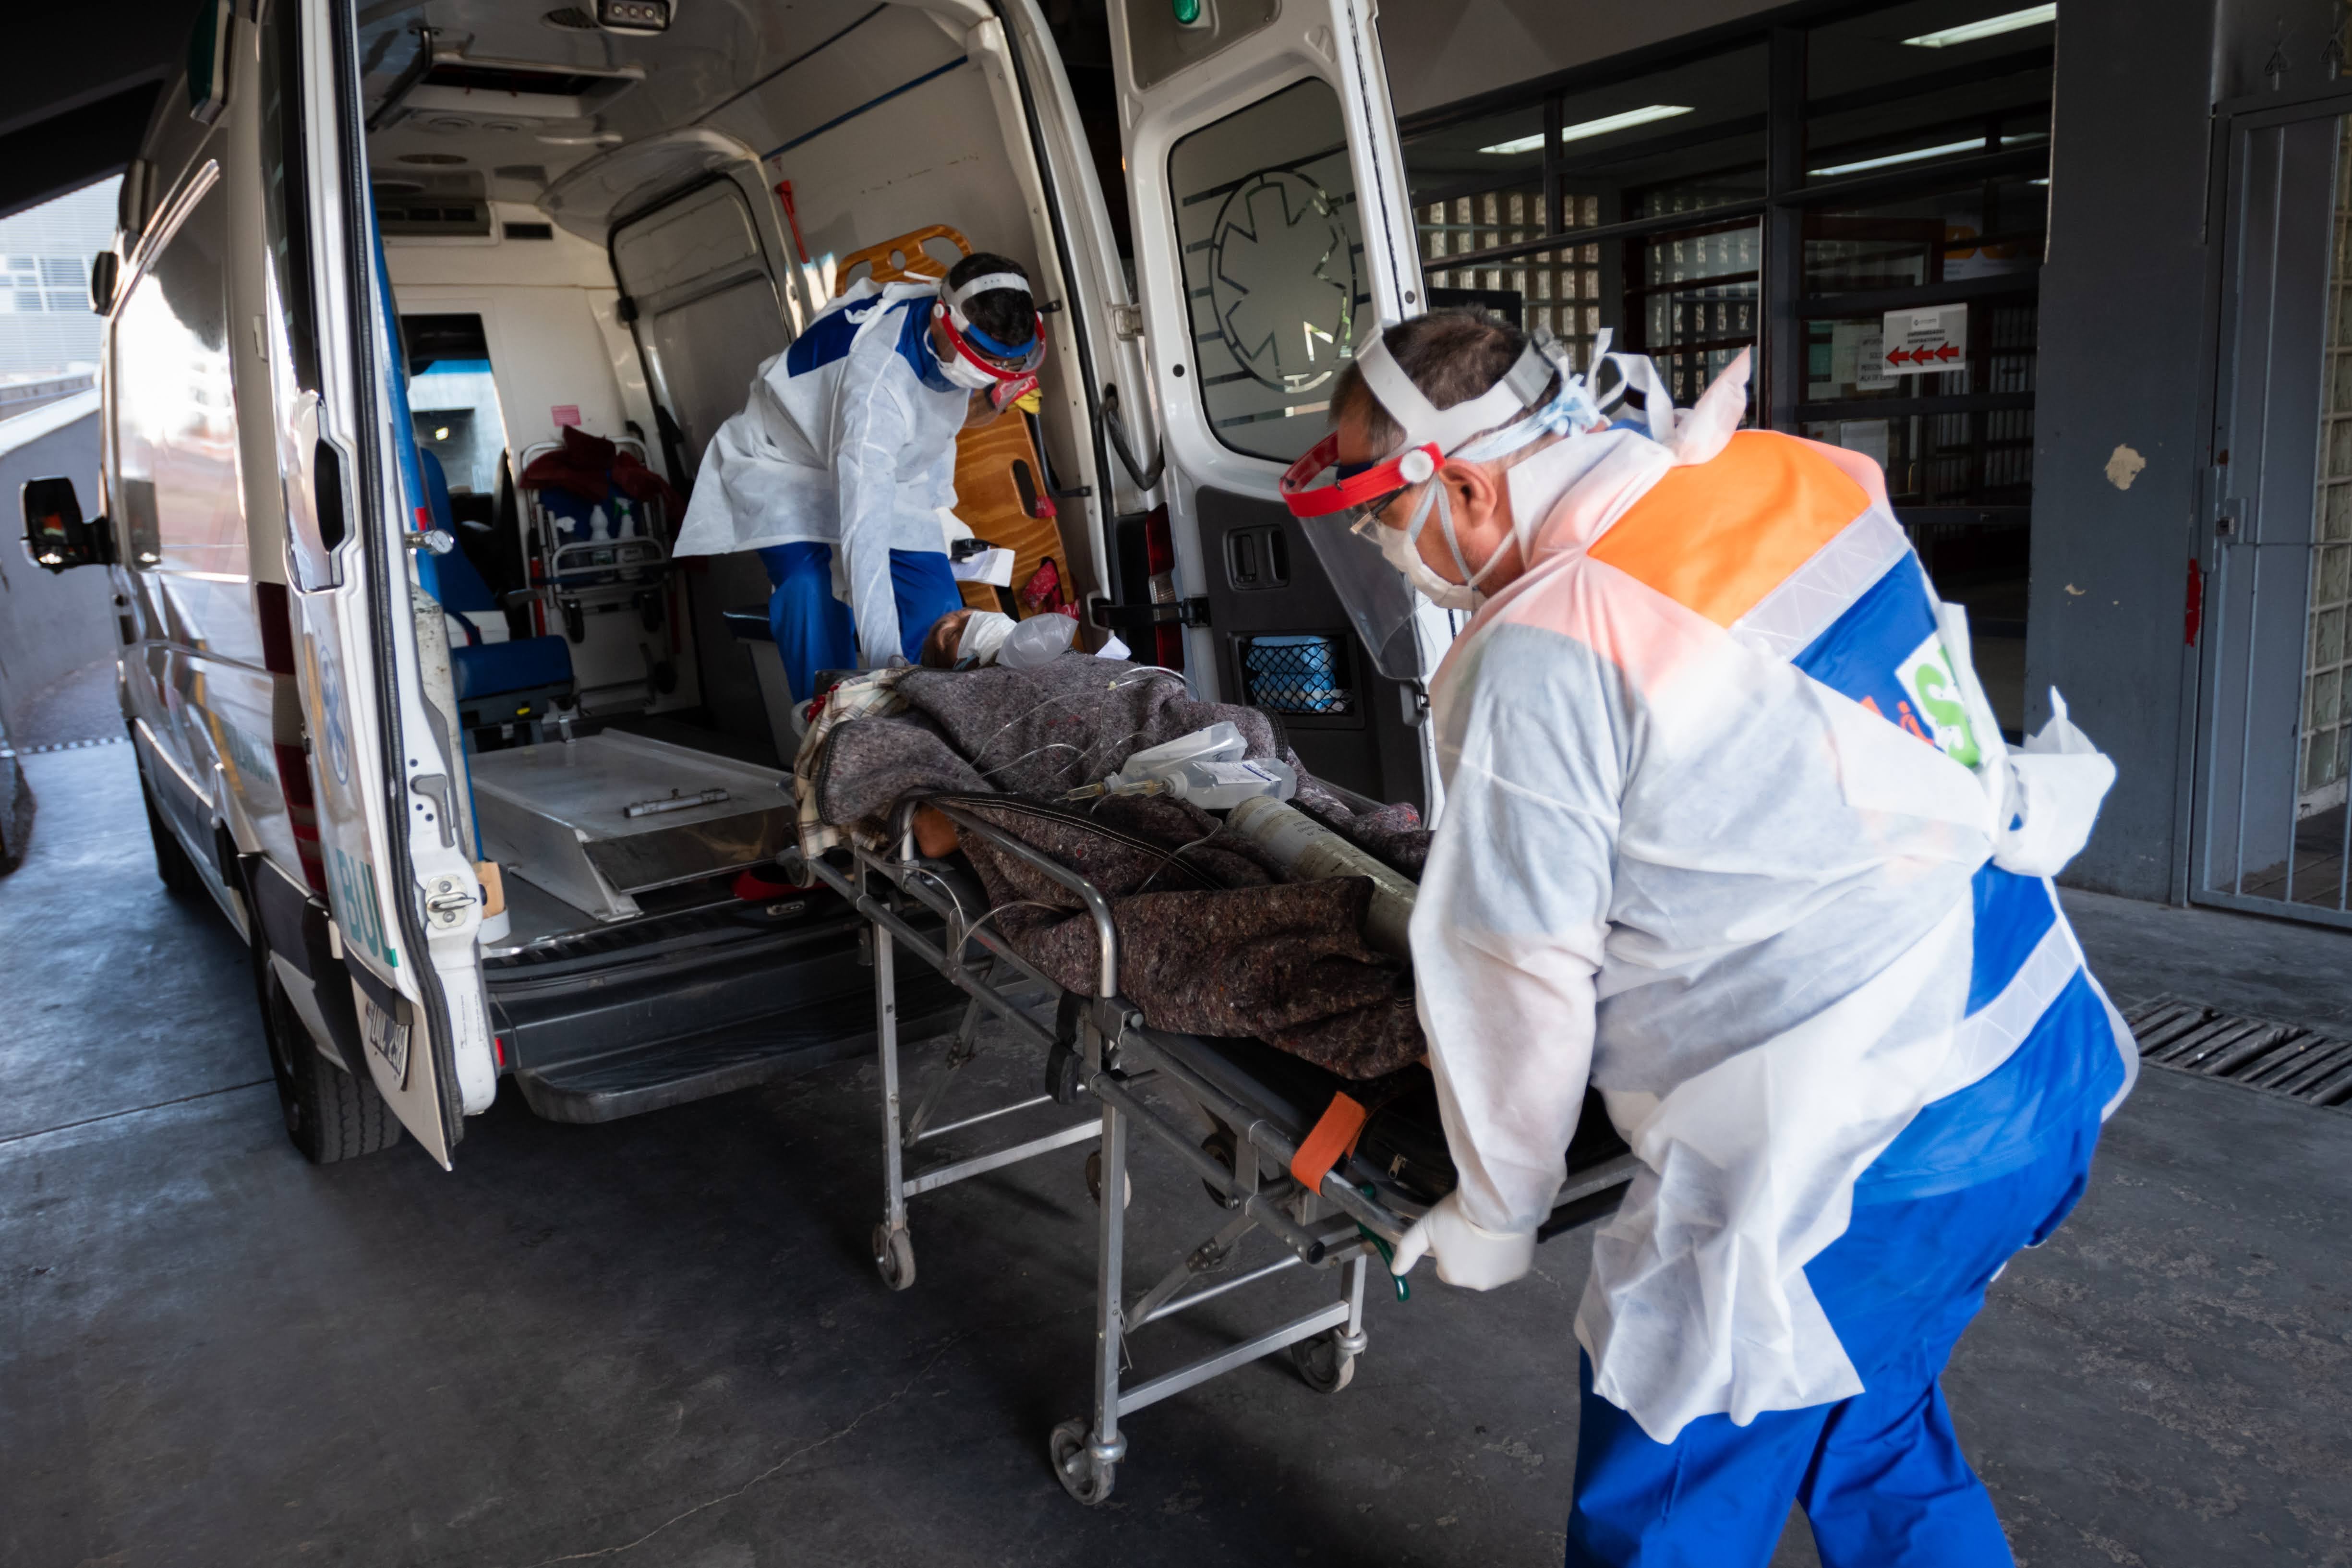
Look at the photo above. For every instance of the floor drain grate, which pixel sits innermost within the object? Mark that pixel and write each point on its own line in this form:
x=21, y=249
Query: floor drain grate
x=2283, y=1058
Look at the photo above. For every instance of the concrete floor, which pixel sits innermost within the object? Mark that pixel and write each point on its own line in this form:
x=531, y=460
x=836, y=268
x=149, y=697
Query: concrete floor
x=660, y=1341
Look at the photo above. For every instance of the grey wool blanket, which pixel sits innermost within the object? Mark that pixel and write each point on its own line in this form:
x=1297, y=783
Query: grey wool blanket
x=1211, y=941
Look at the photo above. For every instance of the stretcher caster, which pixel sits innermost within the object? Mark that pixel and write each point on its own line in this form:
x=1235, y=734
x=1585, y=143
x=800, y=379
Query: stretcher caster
x=1094, y=1181
x=1324, y=1361
x=894, y=1257
x=1076, y=1467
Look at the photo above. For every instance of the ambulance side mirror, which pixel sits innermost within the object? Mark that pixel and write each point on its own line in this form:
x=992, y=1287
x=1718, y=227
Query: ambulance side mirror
x=55, y=536
x=105, y=274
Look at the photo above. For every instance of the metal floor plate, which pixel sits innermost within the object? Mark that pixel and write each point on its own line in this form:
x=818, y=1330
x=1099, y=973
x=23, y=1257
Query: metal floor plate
x=2259, y=1053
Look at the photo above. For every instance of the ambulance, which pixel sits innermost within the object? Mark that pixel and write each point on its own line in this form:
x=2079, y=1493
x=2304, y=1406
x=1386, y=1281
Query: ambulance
x=419, y=317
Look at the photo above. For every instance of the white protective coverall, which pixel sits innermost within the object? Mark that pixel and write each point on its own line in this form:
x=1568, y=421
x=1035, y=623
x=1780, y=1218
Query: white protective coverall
x=848, y=439
x=1738, y=898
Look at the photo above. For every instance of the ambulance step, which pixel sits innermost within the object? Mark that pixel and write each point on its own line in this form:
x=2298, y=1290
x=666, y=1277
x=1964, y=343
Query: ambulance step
x=672, y=1073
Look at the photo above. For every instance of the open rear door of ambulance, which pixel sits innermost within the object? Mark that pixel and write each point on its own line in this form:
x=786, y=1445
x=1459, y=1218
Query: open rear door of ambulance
x=393, y=828
x=1272, y=228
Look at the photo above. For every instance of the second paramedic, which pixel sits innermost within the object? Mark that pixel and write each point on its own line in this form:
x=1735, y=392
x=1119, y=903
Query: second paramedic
x=1730, y=833
x=838, y=468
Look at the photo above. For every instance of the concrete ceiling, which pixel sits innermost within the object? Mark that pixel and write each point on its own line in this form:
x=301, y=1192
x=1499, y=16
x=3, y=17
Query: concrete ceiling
x=83, y=82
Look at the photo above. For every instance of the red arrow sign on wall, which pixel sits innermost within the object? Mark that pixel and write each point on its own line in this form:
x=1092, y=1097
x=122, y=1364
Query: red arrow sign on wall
x=1949, y=351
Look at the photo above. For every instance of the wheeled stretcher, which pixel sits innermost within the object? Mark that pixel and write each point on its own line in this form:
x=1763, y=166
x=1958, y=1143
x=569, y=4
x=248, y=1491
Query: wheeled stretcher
x=1293, y=1154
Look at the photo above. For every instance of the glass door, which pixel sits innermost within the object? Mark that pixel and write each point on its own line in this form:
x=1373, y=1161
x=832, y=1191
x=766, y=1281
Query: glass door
x=2272, y=833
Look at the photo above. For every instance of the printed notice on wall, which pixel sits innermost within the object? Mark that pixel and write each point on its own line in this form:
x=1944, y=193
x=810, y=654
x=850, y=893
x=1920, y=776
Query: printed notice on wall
x=1934, y=339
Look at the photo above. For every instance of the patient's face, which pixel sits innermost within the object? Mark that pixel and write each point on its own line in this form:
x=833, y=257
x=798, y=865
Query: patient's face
x=939, y=642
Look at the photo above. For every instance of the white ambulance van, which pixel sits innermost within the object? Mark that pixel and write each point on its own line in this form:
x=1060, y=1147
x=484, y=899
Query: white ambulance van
x=419, y=318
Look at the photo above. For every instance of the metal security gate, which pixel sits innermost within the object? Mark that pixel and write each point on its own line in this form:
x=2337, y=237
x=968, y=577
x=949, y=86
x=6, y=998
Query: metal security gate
x=2270, y=831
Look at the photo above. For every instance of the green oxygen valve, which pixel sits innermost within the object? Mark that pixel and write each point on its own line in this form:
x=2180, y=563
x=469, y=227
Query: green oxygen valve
x=1188, y=13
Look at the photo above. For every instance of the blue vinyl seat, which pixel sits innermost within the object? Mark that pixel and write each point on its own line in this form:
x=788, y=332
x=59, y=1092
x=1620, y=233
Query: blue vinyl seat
x=509, y=682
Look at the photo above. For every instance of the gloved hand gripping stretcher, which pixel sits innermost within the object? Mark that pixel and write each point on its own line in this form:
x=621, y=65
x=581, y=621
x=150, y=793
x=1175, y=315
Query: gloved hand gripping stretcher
x=1332, y=1146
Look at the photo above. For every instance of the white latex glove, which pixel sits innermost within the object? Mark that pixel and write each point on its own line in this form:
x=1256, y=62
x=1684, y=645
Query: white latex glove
x=1467, y=1255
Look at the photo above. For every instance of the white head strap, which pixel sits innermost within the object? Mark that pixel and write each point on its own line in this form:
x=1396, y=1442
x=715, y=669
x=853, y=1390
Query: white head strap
x=987, y=282
x=1448, y=429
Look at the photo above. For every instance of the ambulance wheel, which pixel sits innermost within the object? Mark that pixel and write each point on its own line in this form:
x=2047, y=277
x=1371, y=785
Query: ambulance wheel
x=894, y=1257
x=177, y=872
x=329, y=1114
x=1075, y=1468
x=1094, y=1181
x=1323, y=1363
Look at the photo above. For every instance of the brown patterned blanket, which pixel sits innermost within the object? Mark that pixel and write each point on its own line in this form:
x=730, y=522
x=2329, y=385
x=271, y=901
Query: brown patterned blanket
x=1212, y=940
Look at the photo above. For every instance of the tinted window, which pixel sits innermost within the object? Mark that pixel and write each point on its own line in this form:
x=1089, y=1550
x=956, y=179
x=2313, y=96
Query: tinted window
x=1274, y=266
x=175, y=419
x=284, y=215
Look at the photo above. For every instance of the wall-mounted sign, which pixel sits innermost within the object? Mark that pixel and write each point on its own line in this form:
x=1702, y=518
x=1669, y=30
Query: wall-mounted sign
x=1933, y=338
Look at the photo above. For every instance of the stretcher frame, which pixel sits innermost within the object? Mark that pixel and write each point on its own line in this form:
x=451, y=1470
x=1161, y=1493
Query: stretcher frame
x=1100, y=1046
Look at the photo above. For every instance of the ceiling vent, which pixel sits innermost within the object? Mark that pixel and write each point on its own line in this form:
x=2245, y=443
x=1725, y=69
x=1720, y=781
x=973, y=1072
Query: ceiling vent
x=432, y=206
x=455, y=89
x=569, y=19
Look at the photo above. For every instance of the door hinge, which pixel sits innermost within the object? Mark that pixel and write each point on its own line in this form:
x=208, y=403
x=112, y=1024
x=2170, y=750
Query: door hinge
x=1127, y=323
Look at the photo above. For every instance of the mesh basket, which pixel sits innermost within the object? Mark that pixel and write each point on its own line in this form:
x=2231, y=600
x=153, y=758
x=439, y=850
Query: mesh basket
x=1294, y=675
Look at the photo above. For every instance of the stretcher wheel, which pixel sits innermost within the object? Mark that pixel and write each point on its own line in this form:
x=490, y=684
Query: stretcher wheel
x=1075, y=1470
x=1323, y=1363
x=1224, y=1148
x=1094, y=1181
x=894, y=1257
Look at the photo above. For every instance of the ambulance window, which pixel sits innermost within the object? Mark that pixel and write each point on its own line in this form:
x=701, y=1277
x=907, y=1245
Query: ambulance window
x=453, y=403
x=285, y=220
x=175, y=417
x=1274, y=266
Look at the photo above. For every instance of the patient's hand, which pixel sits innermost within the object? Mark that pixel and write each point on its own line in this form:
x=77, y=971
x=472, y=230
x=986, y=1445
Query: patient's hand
x=935, y=835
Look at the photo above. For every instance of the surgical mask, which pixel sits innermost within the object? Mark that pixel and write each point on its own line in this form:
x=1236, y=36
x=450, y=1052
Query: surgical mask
x=963, y=373
x=1400, y=548
x=984, y=632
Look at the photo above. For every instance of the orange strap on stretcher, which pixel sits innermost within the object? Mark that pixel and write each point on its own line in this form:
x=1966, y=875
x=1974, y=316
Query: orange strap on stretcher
x=1333, y=1136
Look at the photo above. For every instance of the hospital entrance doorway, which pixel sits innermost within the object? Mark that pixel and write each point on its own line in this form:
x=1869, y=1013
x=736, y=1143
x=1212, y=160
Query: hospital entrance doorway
x=2268, y=831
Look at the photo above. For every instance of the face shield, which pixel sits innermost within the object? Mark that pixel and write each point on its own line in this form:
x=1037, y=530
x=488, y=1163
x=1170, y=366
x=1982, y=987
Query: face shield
x=977, y=361
x=1378, y=572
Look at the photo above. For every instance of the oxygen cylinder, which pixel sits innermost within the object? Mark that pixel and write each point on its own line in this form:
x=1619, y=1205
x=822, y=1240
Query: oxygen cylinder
x=1307, y=848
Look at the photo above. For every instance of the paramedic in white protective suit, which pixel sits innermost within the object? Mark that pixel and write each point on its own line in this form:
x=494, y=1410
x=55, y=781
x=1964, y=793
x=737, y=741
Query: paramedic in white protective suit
x=1729, y=831
x=838, y=468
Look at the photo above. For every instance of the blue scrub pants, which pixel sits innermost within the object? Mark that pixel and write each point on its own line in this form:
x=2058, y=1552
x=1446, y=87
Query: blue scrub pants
x=1880, y=1474
x=814, y=631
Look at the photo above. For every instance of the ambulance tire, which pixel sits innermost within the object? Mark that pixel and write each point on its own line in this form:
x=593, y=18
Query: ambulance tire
x=178, y=873
x=330, y=1115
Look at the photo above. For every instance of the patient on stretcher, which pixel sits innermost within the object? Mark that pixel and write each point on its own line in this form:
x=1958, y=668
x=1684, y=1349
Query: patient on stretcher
x=1213, y=939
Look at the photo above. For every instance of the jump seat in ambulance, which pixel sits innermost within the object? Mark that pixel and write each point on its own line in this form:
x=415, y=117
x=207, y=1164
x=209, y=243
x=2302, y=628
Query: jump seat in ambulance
x=505, y=680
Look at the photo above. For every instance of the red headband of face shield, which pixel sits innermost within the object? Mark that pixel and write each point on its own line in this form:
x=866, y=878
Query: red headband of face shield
x=1350, y=491
x=1430, y=432
x=952, y=317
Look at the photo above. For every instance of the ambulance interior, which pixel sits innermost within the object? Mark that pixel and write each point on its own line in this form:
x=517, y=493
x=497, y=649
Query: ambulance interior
x=593, y=243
